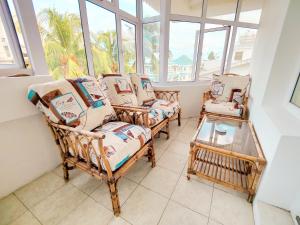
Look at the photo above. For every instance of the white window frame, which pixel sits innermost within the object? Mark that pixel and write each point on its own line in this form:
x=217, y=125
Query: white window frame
x=18, y=66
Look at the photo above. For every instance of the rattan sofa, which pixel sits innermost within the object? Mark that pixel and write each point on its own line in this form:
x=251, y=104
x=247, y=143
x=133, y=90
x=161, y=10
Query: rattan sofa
x=88, y=132
x=227, y=97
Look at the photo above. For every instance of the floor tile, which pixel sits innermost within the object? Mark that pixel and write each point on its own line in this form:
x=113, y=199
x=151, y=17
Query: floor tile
x=139, y=171
x=10, y=209
x=102, y=194
x=161, y=143
x=89, y=212
x=85, y=182
x=194, y=195
x=231, y=191
x=272, y=215
x=54, y=208
x=213, y=222
x=230, y=210
x=176, y=214
x=161, y=180
x=179, y=147
x=39, y=189
x=118, y=221
x=172, y=161
x=144, y=207
x=26, y=219
x=187, y=134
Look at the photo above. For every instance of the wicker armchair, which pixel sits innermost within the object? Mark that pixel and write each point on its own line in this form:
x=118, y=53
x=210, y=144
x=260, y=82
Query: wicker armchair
x=241, y=111
x=100, y=141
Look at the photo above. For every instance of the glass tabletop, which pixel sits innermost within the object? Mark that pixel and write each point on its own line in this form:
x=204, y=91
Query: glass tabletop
x=231, y=135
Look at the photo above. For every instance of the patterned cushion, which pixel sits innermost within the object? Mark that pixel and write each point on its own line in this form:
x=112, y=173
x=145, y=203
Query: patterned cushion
x=120, y=90
x=155, y=116
x=168, y=108
x=224, y=108
x=222, y=86
x=78, y=102
x=143, y=88
x=122, y=140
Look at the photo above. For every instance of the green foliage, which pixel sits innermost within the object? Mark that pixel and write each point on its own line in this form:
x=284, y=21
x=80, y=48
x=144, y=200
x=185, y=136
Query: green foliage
x=211, y=56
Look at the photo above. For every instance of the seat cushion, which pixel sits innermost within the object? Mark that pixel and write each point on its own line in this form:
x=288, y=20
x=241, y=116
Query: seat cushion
x=122, y=140
x=168, y=108
x=223, y=85
x=143, y=88
x=224, y=108
x=119, y=89
x=78, y=102
x=155, y=116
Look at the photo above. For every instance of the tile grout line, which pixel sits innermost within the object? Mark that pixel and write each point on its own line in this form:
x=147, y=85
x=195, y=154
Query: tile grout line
x=212, y=196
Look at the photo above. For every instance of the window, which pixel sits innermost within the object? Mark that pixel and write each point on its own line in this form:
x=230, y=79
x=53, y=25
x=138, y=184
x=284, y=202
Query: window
x=128, y=6
x=296, y=94
x=151, y=8
x=214, y=47
x=103, y=38
x=151, y=35
x=19, y=33
x=61, y=33
x=242, y=51
x=221, y=9
x=189, y=8
x=251, y=11
x=183, y=42
x=129, y=46
x=6, y=57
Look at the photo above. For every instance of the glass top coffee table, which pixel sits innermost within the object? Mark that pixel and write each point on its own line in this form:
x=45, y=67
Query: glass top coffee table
x=226, y=151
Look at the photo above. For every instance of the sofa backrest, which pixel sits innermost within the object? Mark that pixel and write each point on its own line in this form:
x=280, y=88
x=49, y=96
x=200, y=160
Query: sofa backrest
x=224, y=86
x=79, y=103
x=143, y=88
x=119, y=89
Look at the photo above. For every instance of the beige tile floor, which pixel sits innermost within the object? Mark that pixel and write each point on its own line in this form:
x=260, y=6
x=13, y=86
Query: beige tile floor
x=148, y=196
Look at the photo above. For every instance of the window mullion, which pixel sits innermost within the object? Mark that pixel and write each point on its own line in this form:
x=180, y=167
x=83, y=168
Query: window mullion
x=164, y=40
x=120, y=48
x=139, y=37
x=86, y=37
x=32, y=38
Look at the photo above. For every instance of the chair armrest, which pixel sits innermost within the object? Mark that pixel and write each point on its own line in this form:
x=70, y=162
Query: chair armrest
x=169, y=95
x=206, y=96
x=83, y=144
x=138, y=115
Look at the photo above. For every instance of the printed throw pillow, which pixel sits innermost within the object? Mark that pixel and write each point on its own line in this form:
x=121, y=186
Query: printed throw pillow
x=222, y=86
x=79, y=103
x=119, y=89
x=143, y=89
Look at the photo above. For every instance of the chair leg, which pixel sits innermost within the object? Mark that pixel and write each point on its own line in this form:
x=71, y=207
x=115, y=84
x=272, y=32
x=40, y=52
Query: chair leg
x=152, y=155
x=66, y=171
x=114, y=197
x=168, y=130
x=179, y=118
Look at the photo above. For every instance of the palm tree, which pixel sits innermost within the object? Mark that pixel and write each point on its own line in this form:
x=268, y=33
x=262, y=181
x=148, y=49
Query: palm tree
x=63, y=43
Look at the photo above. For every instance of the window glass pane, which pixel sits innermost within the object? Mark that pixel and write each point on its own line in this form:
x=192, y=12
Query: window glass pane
x=128, y=46
x=251, y=11
x=212, y=52
x=151, y=8
x=221, y=9
x=61, y=33
x=6, y=56
x=19, y=33
x=128, y=6
x=189, y=8
x=242, y=52
x=151, y=34
x=182, y=50
x=103, y=38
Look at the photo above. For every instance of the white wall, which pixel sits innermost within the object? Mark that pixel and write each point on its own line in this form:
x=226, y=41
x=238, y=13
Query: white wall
x=274, y=70
x=27, y=149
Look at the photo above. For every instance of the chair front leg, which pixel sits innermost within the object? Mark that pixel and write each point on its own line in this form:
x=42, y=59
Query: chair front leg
x=151, y=154
x=112, y=185
x=179, y=118
x=66, y=171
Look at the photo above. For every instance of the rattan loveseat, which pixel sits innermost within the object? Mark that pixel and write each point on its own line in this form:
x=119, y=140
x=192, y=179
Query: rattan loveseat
x=90, y=135
x=135, y=94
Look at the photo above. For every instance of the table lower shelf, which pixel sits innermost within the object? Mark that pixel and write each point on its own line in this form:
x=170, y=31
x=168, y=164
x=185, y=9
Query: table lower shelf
x=226, y=170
